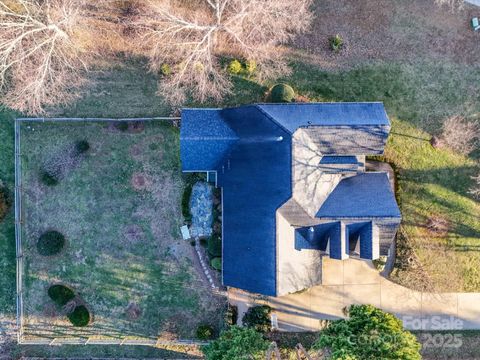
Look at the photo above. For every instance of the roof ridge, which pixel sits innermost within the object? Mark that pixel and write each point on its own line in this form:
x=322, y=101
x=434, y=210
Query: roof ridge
x=271, y=118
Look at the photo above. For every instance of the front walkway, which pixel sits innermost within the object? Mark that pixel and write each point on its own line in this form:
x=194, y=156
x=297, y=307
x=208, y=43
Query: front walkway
x=358, y=282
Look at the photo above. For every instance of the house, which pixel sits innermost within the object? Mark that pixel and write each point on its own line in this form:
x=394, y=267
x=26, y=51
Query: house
x=294, y=188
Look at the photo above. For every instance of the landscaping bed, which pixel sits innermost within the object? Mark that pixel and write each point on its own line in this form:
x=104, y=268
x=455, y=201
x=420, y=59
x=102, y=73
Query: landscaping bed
x=112, y=220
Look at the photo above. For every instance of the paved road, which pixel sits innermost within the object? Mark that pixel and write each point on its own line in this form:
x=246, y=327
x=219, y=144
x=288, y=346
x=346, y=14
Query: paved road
x=357, y=282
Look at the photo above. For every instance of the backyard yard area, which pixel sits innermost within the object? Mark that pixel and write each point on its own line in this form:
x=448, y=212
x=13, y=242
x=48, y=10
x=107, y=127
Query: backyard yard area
x=117, y=205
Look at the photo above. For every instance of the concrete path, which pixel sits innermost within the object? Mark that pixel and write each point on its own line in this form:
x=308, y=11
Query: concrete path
x=358, y=282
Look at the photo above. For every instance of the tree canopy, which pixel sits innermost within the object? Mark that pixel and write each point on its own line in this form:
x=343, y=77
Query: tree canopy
x=237, y=344
x=369, y=333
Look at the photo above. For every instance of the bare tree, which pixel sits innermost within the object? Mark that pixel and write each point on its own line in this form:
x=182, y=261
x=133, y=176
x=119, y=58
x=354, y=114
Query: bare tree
x=460, y=134
x=475, y=189
x=191, y=37
x=40, y=52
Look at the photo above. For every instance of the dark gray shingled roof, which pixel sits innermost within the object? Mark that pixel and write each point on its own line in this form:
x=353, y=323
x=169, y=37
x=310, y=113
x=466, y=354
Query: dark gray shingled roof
x=250, y=147
x=364, y=195
x=205, y=139
x=293, y=116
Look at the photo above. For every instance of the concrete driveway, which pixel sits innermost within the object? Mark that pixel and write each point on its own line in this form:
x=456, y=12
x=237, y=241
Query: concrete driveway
x=358, y=282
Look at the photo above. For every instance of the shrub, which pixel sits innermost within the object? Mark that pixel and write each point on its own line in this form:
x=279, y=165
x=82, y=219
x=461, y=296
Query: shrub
x=474, y=190
x=282, y=93
x=258, y=317
x=380, y=263
x=165, y=69
x=82, y=146
x=80, y=316
x=460, y=134
x=121, y=125
x=216, y=263
x=237, y=343
x=187, y=192
x=214, y=246
x=50, y=243
x=205, y=332
x=336, y=43
x=250, y=66
x=368, y=333
x=231, y=315
x=235, y=67
x=48, y=178
x=4, y=201
x=60, y=294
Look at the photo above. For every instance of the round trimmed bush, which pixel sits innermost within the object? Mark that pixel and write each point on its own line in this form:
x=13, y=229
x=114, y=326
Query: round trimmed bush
x=82, y=146
x=216, y=263
x=235, y=67
x=282, y=93
x=258, y=317
x=60, y=294
x=214, y=246
x=205, y=332
x=165, y=69
x=50, y=243
x=48, y=179
x=80, y=316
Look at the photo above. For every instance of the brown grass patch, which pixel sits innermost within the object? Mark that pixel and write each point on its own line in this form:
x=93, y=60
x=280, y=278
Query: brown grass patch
x=140, y=181
x=50, y=310
x=133, y=311
x=438, y=226
x=134, y=233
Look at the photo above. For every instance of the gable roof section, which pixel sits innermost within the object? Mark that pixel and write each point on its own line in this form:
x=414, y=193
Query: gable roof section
x=256, y=181
x=205, y=139
x=363, y=195
x=292, y=116
x=348, y=140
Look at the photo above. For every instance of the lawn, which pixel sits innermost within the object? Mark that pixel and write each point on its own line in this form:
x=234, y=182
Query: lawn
x=118, y=209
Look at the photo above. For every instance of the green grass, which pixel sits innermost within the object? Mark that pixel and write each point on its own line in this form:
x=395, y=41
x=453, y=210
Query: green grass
x=123, y=243
x=421, y=93
x=434, y=183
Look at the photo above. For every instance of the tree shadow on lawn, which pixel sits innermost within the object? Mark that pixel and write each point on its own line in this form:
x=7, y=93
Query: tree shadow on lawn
x=127, y=89
x=460, y=221
x=457, y=179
